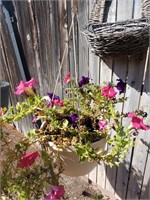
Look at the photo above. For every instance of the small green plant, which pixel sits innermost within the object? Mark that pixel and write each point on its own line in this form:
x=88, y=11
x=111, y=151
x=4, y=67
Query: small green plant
x=98, y=197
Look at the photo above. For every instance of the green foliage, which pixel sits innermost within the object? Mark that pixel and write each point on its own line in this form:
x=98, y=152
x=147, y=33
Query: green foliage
x=98, y=197
x=88, y=103
x=22, y=109
x=28, y=182
x=75, y=123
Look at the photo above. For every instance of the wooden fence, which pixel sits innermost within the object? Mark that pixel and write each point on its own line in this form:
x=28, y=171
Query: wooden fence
x=34, y=37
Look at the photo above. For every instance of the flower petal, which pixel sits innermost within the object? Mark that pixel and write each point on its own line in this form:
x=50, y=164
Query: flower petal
x=108, y=92
x=120, y=85
x=56, y=192
x=26, y=87
x=83, y=81
x=137, y=122
x=28, y=159
x=67, y=78
x=102, y=125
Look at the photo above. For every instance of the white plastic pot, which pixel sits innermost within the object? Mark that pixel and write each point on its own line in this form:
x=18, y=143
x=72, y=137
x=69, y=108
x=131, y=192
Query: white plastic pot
x=70, y=160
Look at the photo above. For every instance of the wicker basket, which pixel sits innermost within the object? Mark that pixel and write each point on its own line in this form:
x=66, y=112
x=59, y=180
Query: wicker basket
x=124, y=37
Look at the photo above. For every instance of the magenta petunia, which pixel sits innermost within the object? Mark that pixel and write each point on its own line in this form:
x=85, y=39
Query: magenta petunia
x=102, y=125
x=26, y=87
x=28, y=159
x=53, y=100
x=137, y=122
x=67, y=78
x=56, y=192
x=57, y=102
x=108, y=92
x=31, y=83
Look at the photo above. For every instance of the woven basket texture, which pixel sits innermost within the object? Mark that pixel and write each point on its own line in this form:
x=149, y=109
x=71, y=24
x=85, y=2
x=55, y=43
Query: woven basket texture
x=146, y=8
x=126, y=37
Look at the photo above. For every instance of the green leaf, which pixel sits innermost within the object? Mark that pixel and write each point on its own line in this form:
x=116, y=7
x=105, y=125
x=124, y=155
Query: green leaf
x=65, y=123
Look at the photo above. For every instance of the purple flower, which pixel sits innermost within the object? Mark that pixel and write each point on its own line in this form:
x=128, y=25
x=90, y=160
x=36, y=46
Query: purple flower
x=74, y=118
x=55, y=193
x=120, y=86
x=83, y=81
x=52, y=96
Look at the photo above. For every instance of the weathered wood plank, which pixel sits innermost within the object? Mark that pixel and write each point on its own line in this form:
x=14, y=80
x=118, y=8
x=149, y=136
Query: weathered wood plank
x=107, y=74
x=83, y=46
x=123, y=170
x=145, y=104
x=63, y=26
x=101, y=175
x=143, y=142
x=10, y=69
x=94, y=73
x=94, y=61
x=146, y=181
x=26, y=35
x=119, y=71
x=71, y=62
x=43, y=50
x=137, y=9
x=112, y=13
x=133, y=89
x=106, y=70
x=55, y=46
x=124, y=9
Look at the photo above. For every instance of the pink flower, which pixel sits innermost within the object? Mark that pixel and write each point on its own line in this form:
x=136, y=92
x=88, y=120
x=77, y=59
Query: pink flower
x=137, y=122
x=26, y=87
x=67, y=78
x=108, y=91
x=34, y=119
x=28, y=159
x=57, y=102
x=1, y=112
x=102, y=125
x=61, y=103
x=56, y=193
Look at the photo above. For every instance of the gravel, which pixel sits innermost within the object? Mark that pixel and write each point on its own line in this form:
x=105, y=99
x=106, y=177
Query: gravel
x=79, y=188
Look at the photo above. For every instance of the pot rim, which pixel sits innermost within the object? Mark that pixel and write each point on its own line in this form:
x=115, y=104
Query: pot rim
x=71, y=148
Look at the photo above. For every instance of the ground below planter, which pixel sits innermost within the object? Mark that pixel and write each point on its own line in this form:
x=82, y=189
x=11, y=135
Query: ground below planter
x=79, y=188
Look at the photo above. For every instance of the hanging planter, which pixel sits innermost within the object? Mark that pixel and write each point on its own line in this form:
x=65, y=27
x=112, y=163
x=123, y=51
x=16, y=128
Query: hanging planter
x=4, y=94
x=121, y=37
x=70, y=160
x=72, y=136
x=87, y=115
